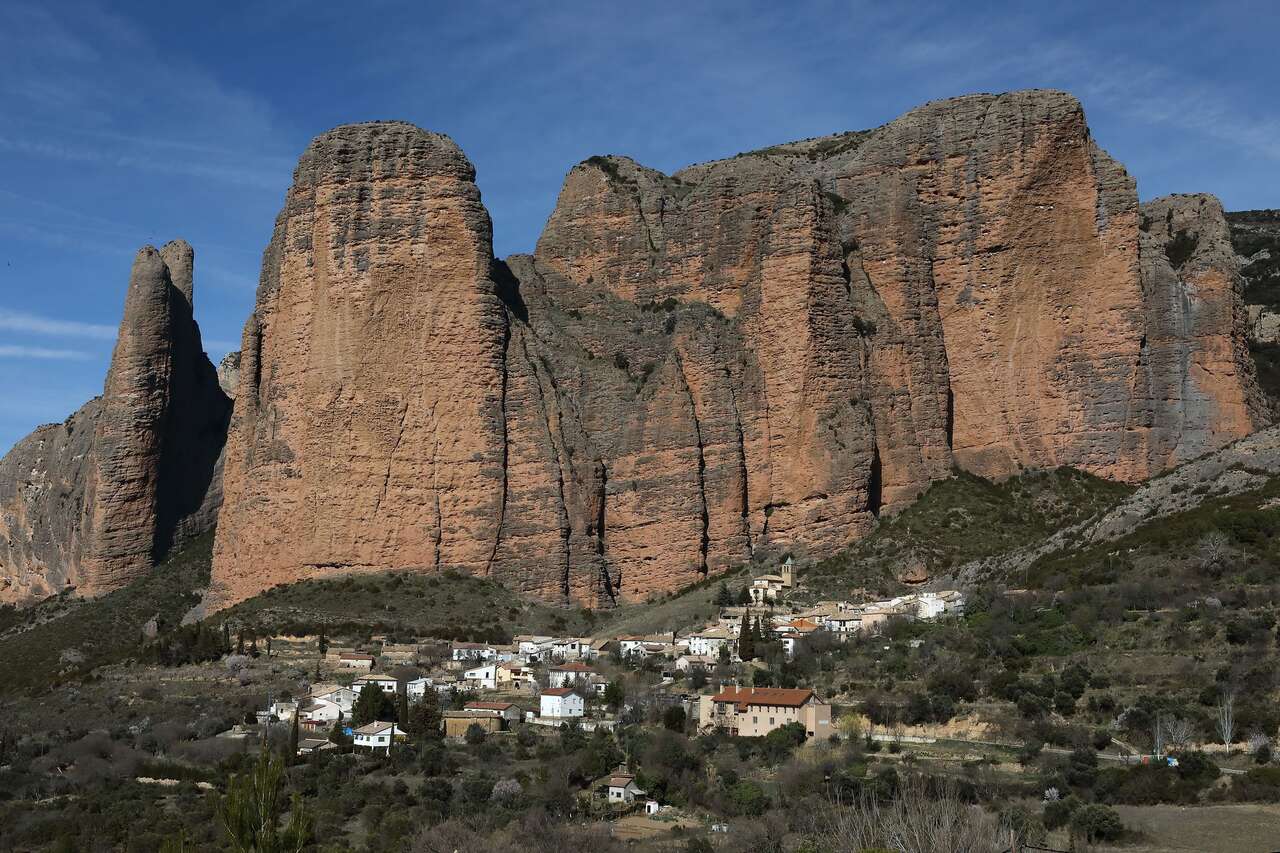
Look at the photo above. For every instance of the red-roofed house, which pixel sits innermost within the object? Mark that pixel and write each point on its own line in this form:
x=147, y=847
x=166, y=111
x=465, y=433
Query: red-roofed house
x=756, y=711
x=508, y=711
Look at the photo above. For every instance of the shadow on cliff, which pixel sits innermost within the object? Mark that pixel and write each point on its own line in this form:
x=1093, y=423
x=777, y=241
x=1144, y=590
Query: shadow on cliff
x=188, y=491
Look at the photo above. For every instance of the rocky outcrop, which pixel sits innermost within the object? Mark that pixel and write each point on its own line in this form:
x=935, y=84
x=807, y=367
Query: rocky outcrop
x=93, y=502
x=369, y=430
x=1194, y=352
x=759, y=353
x=229, y=373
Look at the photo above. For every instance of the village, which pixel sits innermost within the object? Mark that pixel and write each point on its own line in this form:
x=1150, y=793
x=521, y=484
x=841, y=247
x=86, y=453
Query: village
x=368, y=698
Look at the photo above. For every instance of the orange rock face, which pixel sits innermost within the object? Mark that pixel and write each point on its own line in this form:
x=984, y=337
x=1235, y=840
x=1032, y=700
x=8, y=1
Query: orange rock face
x=93, y=502
x=368, y=431
x=765, y=352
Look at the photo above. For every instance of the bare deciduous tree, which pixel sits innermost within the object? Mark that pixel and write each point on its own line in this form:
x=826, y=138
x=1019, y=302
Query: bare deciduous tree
x=1214, y=548
x=918, y=819
x=1178, y=732
x=1226, y=717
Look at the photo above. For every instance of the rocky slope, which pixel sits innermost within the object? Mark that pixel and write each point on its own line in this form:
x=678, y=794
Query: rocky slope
x=762, y=352
x=1241, y=467
x=93, y=502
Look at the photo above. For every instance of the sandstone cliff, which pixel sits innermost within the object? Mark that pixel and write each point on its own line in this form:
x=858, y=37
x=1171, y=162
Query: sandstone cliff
x=764, y=352
x=91, y=503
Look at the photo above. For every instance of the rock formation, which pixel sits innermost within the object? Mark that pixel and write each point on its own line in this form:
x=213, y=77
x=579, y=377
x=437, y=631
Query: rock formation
x=753, y=355
x=229, y=373
x=764, y=352
x=1255, y=236
x=93, y=502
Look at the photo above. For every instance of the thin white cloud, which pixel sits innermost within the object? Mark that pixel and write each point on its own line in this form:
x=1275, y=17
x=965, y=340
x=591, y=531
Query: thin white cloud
x=18, y=321
x=43, y=353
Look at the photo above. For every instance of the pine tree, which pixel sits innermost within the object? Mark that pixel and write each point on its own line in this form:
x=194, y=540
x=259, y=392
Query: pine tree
x=724, y=598
x=251, y=809
x=226, y=638
x=240, y=642
x=372, y=705
x=323, y=643
x=402, y=712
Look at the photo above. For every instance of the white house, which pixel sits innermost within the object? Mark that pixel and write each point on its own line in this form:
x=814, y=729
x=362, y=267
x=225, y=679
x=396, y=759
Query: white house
x=561, y=702
x=416, y=689
x=318, y=713
x=283, y=710
x=643, y=646
x=482, y=677
x=376, y=736
x=845, y=625
x=355, y=660
x=386, y=683
x=622, y=789
x=473, y=651
x=685, y=663
x=567, y=674
x=709, y=641
x=571, y=648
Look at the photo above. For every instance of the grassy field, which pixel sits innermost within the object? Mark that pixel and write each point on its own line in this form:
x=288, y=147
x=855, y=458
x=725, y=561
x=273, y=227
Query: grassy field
x=1252, y=828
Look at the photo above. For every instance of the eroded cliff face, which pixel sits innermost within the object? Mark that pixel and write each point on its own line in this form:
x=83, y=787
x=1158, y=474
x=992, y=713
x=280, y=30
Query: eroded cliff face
x=93, y=502
x=765, y=352
x=369, y=431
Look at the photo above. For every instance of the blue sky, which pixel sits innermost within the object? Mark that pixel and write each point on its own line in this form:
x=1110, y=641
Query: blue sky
x=127, y=123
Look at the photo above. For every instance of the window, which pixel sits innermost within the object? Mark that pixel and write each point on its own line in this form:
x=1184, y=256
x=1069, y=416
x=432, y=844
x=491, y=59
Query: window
x=771, y=721
x=755, y=720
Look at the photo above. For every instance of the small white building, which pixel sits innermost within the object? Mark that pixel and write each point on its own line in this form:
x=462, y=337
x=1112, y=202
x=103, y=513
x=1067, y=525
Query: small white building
x=386, y=683
x=318, y=713
x=622, y=789
x=644, y=646
x=416, y=689
x=283, y=710
x=473, y=651
x=686, y=663
x=561, y=702
x=567, y=674
x=356, y=660
x=376, y=736
x=483, y=677
x=343, y=697
x=709, y=641
x=844, y=625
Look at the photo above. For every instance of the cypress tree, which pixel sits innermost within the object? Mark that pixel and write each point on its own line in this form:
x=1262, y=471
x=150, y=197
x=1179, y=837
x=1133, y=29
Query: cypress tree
x=293, y=740
x=747, y=639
